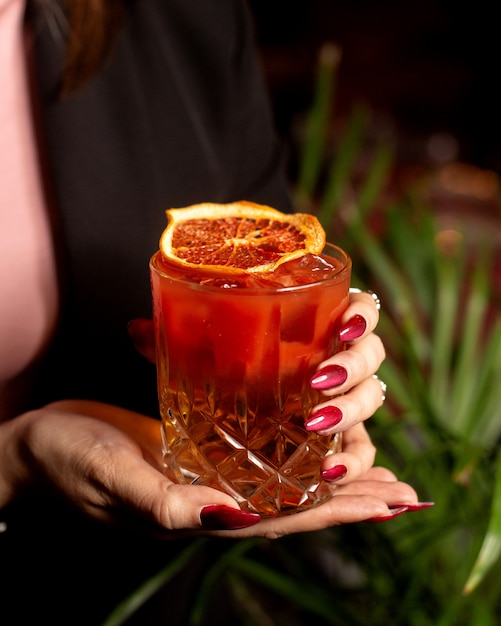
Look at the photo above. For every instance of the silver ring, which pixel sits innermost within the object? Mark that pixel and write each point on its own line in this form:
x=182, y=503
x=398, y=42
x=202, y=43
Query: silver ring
x=383, y=387
x=376, y=299
x=372, y=294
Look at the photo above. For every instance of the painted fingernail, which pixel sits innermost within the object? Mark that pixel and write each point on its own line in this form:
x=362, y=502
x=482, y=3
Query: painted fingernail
x=221, y=517
x=394, y=512
x=353, y=329
x=323, y=419
x=418, y=506
x=328, y=377
x=335, y=473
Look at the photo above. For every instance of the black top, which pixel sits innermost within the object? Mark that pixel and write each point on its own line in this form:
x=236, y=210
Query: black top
x=178, y=115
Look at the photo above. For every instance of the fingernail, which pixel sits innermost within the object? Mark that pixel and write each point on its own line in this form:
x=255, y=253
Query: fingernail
x=335, y=473
x=324, y=419
x=394, y=512
x=418, y=506
x=221, y=517
x=328, y=377
x=353, y=329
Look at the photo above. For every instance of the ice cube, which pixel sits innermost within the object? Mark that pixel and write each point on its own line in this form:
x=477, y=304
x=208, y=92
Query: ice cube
x=309, y=268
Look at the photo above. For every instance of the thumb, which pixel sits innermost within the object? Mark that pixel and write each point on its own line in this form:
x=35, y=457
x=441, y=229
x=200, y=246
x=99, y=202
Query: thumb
x=197, y=507
x=142, y=333
x=148, y=494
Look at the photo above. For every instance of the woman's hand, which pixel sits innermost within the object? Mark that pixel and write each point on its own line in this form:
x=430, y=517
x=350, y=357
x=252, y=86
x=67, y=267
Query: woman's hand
x=352, y=391
x=107, y=461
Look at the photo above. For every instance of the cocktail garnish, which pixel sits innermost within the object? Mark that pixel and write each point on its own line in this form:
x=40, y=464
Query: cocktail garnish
x=240, y=237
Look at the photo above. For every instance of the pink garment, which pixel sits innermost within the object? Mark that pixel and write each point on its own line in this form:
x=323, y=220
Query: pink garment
x=28, y=288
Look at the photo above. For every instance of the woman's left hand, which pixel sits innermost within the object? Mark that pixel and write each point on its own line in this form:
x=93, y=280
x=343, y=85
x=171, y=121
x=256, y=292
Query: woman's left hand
x=352, y=391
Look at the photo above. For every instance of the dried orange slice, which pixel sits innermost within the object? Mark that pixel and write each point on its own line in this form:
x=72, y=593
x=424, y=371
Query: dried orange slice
x=238, y=237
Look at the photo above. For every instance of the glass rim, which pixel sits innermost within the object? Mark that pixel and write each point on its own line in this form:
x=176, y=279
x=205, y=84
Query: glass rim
x=334, y=279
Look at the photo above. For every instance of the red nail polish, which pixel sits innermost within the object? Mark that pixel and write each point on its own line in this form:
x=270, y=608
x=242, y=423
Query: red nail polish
x=335, y=473
x=418, y=506
x=328, y=377
x=221, y=517
x=394, y=512
x=353, y=329
x=324, y=419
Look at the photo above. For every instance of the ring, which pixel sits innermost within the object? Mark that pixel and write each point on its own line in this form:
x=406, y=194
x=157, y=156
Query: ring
x=376, y=299
x=372, y=294
x=383, y=387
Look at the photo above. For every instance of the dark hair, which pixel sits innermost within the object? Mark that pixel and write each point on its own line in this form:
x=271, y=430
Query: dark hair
x=90, y=28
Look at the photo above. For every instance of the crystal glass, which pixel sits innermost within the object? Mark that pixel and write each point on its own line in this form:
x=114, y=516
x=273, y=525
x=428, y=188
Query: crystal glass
x=234, y=359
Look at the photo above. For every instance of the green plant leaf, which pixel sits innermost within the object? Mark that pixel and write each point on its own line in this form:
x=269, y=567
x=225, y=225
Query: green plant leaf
x=376, y=179
x=470, y=350
x=130, y=605
x=312, y=156
x=491, y=546
x=341, y=167
x=220, y=568
x=448, y=271
x=316, y=601
x=410, y=232
x=485, y=421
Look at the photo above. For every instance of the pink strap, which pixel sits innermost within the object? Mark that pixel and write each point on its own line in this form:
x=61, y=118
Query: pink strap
x=28, y=289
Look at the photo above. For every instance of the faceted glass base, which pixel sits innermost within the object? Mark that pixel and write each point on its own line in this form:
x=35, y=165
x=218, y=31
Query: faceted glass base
x=275, y=472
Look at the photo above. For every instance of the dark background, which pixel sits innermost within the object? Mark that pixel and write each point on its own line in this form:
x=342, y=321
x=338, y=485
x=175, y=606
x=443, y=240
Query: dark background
x=428, y=66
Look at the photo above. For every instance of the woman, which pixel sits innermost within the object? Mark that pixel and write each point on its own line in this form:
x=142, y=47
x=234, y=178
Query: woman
x=113, y=112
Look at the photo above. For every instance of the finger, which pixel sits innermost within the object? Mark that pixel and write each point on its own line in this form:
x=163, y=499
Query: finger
x=361, y=316
x=345, y=411
x=142, y=333
x=340, y=509
x=377, y=495
x=345, y=369
x=374, y=496
x=380, y=473
x=390, y=492
x=354, y=460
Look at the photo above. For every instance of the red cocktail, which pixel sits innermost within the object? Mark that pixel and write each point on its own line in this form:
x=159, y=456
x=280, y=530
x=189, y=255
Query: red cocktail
x=234, y=358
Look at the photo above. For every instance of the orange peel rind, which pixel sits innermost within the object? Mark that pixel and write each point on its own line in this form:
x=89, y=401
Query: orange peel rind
x=239, y=237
